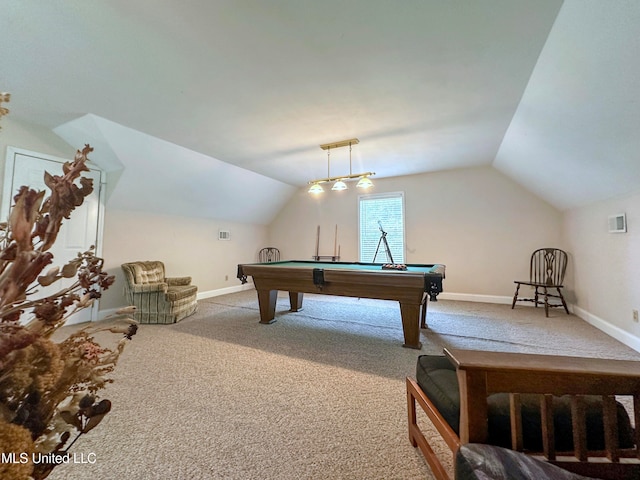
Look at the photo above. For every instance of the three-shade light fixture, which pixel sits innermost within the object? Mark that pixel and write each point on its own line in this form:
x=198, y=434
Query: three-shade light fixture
x=364, y=181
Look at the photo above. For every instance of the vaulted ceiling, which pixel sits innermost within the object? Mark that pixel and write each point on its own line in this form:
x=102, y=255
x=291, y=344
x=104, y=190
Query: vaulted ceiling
x=213, y=90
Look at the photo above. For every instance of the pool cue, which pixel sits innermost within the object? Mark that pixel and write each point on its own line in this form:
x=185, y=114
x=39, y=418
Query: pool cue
x=317, y=257
x=335, y=243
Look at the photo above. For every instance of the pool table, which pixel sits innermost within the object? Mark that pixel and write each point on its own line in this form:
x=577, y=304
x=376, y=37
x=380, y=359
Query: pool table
x=411, y=287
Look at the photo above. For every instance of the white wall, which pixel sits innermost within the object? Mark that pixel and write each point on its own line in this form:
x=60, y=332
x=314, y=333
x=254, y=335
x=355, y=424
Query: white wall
x=476, y=221
x=606, y=272
x=188, y=246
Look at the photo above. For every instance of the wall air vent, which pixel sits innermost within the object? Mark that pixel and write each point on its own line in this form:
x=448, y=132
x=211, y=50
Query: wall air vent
x=224, y=235
x=618, y=223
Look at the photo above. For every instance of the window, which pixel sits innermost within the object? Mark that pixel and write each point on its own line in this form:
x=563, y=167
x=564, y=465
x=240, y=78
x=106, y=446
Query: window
x=378, y=214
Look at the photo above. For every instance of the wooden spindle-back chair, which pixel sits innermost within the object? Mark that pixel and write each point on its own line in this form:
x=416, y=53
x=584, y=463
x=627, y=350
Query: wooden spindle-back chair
x=547, y=268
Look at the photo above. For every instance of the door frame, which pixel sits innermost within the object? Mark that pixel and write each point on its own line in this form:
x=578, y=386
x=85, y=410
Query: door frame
x=7, y=196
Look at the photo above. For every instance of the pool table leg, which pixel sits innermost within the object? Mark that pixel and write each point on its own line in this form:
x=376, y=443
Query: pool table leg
x=267, y=302
x=410, y=325
x=295, y=300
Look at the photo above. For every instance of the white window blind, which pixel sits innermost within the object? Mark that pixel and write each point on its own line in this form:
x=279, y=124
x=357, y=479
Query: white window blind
x=384, y=211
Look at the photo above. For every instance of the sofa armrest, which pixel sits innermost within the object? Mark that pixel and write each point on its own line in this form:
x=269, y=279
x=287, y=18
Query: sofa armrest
x=571, y=393
x=482, y=373
x=175, y=281
x=149, y=288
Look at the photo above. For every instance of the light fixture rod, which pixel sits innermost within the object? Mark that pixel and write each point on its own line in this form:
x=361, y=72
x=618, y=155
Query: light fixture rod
x=342, y=177
x=342, y=143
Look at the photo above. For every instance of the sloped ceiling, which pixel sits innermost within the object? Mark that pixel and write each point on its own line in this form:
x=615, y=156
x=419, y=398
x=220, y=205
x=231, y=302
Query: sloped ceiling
x=189, y=183
x=425, y=85
x=575, y=137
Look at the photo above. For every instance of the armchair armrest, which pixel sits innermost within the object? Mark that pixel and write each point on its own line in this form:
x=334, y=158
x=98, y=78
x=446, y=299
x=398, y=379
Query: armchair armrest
x=149, y=287
x=175, y=281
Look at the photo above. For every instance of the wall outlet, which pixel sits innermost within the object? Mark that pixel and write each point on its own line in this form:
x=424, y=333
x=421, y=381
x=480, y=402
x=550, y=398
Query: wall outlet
x=635, y=315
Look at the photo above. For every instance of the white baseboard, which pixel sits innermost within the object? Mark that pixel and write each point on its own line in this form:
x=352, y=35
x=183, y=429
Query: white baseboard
x=102, y=314
x=499, y=299
x=613, y=331
x=224, y=291
x=471, y=297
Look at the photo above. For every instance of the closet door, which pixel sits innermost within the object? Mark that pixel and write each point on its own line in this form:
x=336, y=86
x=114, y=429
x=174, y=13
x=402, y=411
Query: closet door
x=77, y=234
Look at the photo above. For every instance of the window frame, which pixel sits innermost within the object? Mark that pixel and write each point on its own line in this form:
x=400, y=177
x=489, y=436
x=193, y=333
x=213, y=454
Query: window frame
x=380, y=196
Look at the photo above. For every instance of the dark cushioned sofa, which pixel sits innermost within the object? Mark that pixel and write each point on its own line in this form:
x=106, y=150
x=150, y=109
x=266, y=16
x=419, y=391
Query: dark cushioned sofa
x=562, y=408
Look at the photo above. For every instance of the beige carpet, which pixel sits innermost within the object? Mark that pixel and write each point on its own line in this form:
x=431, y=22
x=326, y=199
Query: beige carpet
x=317, y=395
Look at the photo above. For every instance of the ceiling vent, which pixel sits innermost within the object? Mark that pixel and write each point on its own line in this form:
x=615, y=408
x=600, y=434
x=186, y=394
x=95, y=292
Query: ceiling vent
x=224, y=235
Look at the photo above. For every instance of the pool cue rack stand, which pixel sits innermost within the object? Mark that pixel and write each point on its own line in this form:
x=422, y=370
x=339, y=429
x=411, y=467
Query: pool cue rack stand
x=327, y=258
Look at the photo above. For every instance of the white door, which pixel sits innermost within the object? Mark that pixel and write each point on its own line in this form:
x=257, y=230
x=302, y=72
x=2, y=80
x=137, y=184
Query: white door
x=77, y=234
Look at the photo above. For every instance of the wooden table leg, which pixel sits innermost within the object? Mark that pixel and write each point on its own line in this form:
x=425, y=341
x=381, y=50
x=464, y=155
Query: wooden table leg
x=410, y=325
x=267, y=302
x=295, y=300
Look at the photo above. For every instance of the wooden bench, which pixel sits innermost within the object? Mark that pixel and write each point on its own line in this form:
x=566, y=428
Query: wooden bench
x=481, y=374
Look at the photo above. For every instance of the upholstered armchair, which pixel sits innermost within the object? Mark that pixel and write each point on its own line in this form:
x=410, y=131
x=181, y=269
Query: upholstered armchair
x=158, y=299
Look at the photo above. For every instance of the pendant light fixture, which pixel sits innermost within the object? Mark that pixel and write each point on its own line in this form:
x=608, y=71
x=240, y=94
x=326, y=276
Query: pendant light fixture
x=365, y=182
x=339, y=185
x=340, y=182
x=316, y=188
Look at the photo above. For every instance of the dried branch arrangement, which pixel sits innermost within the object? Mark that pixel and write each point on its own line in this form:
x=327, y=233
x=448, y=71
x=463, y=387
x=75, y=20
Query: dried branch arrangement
x=48, y=389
